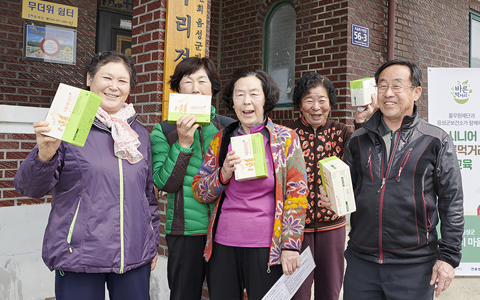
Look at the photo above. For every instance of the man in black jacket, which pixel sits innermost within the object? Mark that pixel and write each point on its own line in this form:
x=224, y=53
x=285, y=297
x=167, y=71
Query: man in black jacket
x=406, y=179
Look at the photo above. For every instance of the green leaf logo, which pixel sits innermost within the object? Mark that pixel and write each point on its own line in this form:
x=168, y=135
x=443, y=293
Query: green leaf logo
x=461, y=92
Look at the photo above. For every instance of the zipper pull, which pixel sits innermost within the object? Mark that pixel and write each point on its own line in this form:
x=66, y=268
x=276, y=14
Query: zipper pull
x=399, y=173
x=268, y=268
x=369, y=157
x=383, y=183
x=427, y=237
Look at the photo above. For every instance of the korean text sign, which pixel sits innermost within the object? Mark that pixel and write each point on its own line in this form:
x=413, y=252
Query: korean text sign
x=50, y=12
x=185, y=36
x=454, y=105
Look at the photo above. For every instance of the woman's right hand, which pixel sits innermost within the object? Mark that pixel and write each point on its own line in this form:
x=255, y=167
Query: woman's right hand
x=47, y=146
x=324, y=200
x=229, y=165
x=186, y=130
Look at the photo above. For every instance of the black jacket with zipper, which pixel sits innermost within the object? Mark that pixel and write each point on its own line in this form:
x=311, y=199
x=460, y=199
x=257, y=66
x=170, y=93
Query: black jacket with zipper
x=401, y=198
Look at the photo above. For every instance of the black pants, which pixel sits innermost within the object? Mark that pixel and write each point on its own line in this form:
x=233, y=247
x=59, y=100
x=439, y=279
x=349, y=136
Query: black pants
x=186, y=267
x=234, y=268
x=372, y=281
x=134, y=284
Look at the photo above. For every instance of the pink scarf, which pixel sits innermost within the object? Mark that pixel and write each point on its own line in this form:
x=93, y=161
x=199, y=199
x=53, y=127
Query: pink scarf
x=125, y=138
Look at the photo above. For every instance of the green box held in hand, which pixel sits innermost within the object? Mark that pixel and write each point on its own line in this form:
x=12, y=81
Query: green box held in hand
x=71, y=114
x=251, y=149
x=189, y=104
x=361, y=91
x=337, y=183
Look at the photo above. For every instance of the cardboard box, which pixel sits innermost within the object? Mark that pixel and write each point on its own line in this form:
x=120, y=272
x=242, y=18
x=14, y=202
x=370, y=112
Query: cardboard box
x=71, y=114
x=251, y=149
x=361, y=91
x=337, y=183
x=189, y=104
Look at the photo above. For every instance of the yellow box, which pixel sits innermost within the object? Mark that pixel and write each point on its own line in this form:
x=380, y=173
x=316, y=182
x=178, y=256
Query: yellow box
x=251, y=149
x=71, y=114
x=337, y=183
x=361, y=91
x=189, y=104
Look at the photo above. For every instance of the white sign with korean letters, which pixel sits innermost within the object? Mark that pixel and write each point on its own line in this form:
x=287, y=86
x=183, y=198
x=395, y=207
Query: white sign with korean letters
x=454, y=105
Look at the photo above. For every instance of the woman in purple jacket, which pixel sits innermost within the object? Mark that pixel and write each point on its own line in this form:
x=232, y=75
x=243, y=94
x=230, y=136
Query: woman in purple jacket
x=103, y=226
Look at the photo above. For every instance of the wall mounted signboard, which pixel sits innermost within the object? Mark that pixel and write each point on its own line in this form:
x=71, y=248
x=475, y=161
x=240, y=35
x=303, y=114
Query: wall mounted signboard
x=360, y=36
x=49, y=12
x=50, y=44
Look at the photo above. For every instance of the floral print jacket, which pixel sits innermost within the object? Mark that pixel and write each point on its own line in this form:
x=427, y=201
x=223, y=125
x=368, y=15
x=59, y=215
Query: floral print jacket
x=327, y=140
x=290, y=187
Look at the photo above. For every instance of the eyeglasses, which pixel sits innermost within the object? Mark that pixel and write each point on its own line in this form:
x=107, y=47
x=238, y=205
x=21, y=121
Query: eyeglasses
x=396, y=88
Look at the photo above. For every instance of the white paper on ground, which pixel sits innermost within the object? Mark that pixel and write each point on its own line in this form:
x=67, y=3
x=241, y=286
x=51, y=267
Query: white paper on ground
x=287, y=285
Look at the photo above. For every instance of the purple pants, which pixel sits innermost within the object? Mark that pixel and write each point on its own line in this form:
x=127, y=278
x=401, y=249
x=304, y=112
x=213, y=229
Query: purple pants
x=327, y=249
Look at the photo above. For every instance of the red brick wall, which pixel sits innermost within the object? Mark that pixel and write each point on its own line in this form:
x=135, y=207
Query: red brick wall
x=432, y=34
x=14, y=148
x=32, y=83
x=147, y=51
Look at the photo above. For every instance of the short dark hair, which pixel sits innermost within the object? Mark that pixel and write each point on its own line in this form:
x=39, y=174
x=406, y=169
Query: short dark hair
x=269, y=87
x=415, y=72
x=105, y=57
x=312, y=80
x=191, y=65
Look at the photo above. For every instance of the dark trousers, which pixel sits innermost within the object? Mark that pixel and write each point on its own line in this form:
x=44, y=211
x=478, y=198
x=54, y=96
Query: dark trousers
x=186, y=267
x=235, y=268
x=327, y=249
x=368, y=280
x=134, y=284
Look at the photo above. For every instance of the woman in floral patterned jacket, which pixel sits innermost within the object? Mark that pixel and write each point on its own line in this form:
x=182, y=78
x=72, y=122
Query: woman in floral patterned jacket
x=256, y=228
x=322, y=137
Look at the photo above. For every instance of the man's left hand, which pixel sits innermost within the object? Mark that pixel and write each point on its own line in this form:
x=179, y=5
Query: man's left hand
x=442, y=275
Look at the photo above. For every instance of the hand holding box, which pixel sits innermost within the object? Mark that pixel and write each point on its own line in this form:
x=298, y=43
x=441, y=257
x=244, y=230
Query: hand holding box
x=337, y=183
x=71, y=114
x=361, y=91
x=189, y=104
x=251, y=150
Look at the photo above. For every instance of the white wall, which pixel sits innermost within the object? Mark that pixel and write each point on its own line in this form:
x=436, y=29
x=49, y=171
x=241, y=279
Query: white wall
x=23, y=275
x=19, y=119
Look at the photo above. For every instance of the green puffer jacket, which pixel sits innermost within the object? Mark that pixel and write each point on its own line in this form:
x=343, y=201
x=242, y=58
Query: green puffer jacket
x=173, y=170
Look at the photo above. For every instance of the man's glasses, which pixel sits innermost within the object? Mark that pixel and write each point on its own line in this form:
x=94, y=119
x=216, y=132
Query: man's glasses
x=396, y=88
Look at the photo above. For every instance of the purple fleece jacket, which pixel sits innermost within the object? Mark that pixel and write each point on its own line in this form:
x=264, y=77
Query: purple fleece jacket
x=104, y=212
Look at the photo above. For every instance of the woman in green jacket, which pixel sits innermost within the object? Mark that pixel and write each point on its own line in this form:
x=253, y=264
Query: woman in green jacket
x=177, y=152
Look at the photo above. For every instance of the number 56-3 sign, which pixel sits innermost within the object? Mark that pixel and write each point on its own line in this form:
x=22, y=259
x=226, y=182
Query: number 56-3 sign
x=360, y=35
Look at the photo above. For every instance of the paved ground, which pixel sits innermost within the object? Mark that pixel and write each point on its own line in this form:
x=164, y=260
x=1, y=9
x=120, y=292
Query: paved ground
x=462, y=288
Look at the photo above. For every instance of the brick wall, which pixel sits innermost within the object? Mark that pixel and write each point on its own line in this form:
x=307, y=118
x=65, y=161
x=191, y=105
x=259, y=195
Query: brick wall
x=321, y=46
x=32, y=83
x=148, y=38
x=431, y=33
x=14, y=148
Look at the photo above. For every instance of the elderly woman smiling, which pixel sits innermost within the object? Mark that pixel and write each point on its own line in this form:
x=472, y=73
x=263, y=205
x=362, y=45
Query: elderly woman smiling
x=256, y=228
x=322, y=137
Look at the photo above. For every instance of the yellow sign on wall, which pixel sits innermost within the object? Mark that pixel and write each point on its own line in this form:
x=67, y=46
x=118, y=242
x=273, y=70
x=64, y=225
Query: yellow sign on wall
x=185, y=35
x=49, y=12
